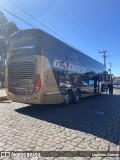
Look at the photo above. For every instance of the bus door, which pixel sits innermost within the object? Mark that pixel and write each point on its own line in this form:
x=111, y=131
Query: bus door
x=92, y=86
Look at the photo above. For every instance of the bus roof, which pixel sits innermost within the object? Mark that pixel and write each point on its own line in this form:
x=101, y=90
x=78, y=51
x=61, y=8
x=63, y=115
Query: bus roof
x=39, y=30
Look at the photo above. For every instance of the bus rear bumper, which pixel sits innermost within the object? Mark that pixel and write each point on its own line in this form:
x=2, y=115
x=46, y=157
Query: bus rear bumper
x=24, y=99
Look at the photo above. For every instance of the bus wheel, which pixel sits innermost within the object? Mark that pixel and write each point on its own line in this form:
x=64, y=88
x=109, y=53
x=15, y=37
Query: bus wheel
x=67, y=98
x=76, y=98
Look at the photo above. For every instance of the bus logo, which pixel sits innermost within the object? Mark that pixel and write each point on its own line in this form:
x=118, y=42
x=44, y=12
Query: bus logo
x=66, y=65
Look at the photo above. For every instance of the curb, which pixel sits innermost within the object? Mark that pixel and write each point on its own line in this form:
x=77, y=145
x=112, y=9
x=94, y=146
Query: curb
x=3, y=98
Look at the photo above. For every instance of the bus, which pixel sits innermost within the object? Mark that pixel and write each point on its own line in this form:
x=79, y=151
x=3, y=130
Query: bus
x=41, y=69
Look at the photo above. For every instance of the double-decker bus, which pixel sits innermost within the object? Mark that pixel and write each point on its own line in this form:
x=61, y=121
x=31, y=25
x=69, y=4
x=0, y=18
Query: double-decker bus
x=41, y=69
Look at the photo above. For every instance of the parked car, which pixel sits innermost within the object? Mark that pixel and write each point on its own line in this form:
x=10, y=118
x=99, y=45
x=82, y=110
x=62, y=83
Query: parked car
x=117, y=86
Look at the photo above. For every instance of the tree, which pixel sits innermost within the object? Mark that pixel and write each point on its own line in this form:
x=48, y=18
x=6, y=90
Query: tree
x=3, y=47
x=3, y=19
x=6, y=29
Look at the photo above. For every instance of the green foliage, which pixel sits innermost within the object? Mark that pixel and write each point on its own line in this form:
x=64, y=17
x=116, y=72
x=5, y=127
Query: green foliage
x=3, y=19
x=6, y=29
x=10, y=29
x=3, y=47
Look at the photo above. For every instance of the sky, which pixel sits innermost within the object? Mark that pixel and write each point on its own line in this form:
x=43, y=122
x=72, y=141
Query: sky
x=87, y=25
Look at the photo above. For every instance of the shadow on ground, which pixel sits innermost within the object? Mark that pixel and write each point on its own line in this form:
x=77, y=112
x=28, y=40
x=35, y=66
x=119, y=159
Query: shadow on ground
x=98, y=116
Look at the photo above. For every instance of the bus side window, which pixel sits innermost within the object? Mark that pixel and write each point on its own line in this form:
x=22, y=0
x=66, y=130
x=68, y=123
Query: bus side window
x=60, y=77
x=91, y=82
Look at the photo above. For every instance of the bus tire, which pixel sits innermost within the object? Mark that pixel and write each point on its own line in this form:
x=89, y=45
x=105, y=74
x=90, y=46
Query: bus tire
x=76, y=97
x=67, y=98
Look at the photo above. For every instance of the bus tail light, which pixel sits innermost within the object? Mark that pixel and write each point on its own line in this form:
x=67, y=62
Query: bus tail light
x=37, y=84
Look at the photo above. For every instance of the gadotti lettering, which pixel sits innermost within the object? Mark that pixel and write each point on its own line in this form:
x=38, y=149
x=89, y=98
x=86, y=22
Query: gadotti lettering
x=68, y=66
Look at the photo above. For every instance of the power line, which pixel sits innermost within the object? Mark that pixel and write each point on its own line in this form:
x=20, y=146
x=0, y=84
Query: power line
x=33, y=17
x=34, y=26
x=110, y=64
x=69, y=27
x=78, y=27
x=55, y=15
x=40, y=21
x=17, y=17
x=114, y=55
x=81, y=21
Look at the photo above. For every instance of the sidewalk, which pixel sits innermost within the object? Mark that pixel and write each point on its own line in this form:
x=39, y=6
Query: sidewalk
x=3, y=95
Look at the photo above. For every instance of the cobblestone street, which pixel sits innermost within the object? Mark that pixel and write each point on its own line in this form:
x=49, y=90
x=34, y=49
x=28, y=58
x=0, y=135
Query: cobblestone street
x=91, y=125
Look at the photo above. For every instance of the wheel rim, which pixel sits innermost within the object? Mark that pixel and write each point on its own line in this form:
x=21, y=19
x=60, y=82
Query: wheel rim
x=67, y=99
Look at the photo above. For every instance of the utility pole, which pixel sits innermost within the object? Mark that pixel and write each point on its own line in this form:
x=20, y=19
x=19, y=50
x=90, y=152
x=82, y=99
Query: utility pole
x=104, y=57
x=110, y=64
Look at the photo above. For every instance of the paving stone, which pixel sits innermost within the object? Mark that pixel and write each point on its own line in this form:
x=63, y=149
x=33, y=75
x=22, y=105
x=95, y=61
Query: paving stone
x=78, y=127
x=2, y=144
